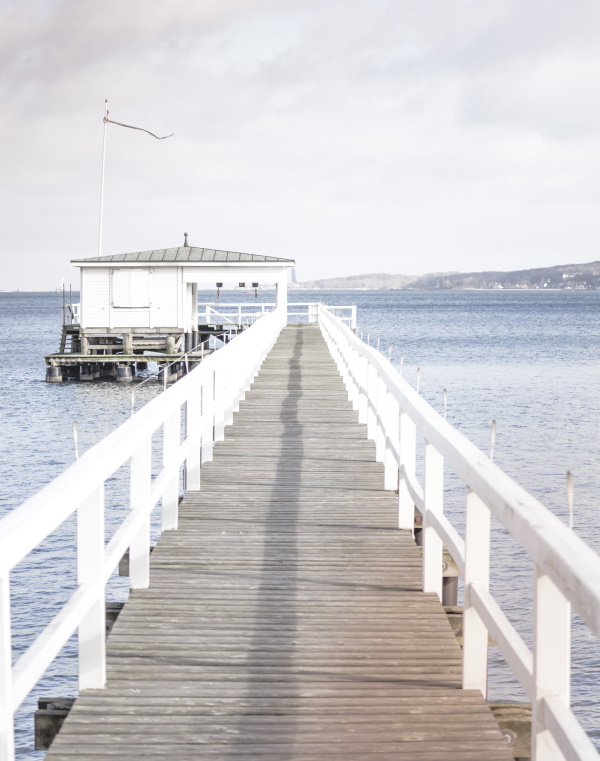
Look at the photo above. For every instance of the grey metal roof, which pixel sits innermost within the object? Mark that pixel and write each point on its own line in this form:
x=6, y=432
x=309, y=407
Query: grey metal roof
x=186, y=254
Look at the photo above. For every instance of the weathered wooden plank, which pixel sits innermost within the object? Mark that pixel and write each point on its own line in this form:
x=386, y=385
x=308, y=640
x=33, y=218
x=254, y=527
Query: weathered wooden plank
x=285, y=620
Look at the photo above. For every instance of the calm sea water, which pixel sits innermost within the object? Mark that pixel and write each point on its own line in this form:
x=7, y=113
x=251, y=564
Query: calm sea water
x=528, y=359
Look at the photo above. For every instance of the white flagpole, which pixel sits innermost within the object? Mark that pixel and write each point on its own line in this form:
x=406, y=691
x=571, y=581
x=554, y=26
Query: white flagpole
x=102, y=180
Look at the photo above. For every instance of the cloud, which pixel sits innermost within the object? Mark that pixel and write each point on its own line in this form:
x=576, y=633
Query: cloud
x=443, y=134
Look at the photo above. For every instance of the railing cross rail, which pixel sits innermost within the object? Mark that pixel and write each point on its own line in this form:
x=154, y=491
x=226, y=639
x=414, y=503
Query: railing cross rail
x=566, y=570
x=206, y=398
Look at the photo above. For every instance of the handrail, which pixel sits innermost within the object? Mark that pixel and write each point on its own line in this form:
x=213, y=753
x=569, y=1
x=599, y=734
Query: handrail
x=207, y=398
x=245, y=312
x=566, y=569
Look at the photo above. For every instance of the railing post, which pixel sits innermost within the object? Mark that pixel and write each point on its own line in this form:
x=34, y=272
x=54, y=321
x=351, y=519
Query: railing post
x=434, y=502
x=208, y=415
x=477, y=571
x=243, y=368
x=219, y=402
x=228, y=383
x=408, y=454
x=363, y=403
x=392, y=430
x=354, y=391
x=90, y=562
x=170, y=456
x=193, y=415
x=551, y=658
x=371, y=401
x=380, y=419
x=139, y=550
x=349, y=362
x=7, y=736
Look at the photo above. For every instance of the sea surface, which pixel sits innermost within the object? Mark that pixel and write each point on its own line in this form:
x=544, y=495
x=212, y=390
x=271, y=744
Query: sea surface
x=530, y=360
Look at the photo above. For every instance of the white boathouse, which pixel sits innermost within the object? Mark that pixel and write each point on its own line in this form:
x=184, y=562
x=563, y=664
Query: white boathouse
x=147, y=301
x=156, y=292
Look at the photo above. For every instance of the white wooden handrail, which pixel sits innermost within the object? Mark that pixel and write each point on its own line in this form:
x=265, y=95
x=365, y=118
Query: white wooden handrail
x=207, y=396
x=244, y=312
x=567, y=570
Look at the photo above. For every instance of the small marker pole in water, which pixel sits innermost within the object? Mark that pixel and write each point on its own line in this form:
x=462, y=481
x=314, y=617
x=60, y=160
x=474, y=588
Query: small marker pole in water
x=418, y=378
x=492, y=440
x=76, y=439
x=570, y=497
x=445, y=404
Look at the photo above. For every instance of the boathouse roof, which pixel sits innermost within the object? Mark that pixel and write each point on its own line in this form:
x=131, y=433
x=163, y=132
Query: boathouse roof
x=190, y=254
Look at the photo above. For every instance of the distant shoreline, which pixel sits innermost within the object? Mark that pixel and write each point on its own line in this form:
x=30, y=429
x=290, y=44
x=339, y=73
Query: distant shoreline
x=560, y=277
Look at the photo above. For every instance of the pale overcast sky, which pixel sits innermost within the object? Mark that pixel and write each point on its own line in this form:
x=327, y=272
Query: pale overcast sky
x=353, y=136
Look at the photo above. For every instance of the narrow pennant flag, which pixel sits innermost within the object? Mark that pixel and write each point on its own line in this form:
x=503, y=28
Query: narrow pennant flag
x=141, y=129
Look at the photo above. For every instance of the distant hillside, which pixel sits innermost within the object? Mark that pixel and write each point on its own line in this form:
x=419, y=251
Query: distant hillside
x=580, y=276
x=381, y=280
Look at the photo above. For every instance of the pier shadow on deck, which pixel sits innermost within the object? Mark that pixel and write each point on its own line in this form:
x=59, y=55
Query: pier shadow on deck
x=284, y=620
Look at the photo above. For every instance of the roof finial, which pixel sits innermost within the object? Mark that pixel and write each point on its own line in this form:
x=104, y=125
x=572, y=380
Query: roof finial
x=185, y=243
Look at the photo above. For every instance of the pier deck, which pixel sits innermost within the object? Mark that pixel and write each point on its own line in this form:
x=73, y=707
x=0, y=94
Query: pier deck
x=284, y=618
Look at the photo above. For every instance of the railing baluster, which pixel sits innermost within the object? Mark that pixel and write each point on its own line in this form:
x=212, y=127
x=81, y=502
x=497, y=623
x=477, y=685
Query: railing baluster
x=354, y=361
x=139, y=550
x=235, y=370
x=477, y=571
x=194, y=432
x=7, y=737
x=219, y=402
x=363, y=403
x=434, y=502
x=392, y=431
x=170, y=455
x=372, y=401
x=228, y=385
x=380, y=413
x=208, y=413
x=90, y=561
x=551, y=658
x=408, y=454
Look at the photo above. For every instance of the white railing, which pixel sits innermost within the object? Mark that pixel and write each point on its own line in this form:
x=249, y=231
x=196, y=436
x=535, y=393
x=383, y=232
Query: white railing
x=207, y=398
x=246, y=313
x=70, y=314
x=241, y=313
x=567, y=571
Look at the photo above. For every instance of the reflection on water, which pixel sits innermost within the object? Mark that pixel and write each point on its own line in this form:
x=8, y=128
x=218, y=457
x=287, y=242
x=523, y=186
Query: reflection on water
x=526, y=359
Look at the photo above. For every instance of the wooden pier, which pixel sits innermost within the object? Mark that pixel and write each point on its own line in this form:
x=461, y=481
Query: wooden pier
x=284, y=618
